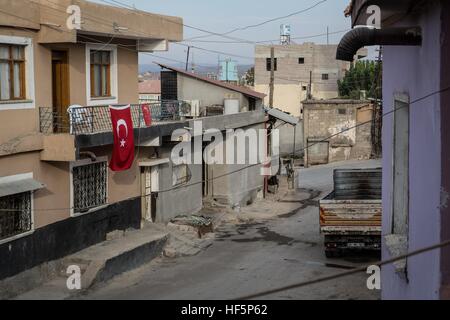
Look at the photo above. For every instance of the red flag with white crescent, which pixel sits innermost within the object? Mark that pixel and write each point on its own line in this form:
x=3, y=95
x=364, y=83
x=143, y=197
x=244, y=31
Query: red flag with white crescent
x=123, y=150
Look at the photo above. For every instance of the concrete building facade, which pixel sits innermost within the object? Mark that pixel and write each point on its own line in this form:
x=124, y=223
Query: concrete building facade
x=178, y=84
x=57, y=194
x=296, y=66
x=326, y=118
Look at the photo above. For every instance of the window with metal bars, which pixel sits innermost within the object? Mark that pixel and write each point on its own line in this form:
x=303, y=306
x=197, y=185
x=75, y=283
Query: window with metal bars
x=89, y=186
x=15, y=215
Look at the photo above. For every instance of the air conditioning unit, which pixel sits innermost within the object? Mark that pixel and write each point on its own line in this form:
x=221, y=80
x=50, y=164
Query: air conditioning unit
x=190, y=108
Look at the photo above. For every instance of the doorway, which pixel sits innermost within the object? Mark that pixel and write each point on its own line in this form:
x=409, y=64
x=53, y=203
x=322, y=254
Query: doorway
x=60, y=91
x=149, y=183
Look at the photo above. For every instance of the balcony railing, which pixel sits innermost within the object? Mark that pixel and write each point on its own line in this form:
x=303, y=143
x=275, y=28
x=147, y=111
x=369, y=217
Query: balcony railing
x=96, y=119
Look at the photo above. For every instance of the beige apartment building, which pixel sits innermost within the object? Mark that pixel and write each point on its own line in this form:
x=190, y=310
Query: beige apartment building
x=62, y=63
x=299, y=69
x=56, y=189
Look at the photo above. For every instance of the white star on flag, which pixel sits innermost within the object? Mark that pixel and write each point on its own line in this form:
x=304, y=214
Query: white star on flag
x=122, y=143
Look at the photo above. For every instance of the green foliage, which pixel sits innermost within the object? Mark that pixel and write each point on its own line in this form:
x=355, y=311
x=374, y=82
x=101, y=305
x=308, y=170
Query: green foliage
x=361, y=76
x=249, y=77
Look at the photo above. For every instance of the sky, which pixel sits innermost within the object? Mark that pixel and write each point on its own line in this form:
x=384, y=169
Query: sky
x=222, y=16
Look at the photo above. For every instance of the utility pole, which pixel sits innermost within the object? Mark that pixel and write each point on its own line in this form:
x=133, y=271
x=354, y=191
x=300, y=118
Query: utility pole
x=272, y=75
x=187, y=58
x=310, y=86
x=328, y=35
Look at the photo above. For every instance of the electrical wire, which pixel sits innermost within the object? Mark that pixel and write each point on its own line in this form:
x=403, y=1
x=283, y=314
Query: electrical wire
x=270, y=20
x=299, y=150
x=345, y=273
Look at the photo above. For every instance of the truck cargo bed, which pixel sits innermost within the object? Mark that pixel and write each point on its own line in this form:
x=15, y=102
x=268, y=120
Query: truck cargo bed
x=350, y=216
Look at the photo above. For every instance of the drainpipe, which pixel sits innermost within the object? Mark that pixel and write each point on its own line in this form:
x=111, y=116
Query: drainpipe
x=364, y=36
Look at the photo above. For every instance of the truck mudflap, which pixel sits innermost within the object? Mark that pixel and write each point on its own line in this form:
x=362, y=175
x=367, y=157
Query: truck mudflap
x=338, y=245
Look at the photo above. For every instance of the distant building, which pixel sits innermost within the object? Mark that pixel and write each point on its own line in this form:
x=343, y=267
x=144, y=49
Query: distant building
x=229, y=71
x=178, y=84
x=325, y=118
x=149, y=90
x=295, y=66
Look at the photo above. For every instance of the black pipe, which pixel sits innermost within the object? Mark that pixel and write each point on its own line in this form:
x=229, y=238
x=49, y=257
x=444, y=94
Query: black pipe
x=363, y=36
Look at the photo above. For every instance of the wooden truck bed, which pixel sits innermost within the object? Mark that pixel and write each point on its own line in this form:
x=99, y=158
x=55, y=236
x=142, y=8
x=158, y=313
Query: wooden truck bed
x=350, y=216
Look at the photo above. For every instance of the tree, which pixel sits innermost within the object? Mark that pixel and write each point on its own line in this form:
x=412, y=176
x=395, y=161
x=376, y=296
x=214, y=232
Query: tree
x=249, y=77
x=363, y=75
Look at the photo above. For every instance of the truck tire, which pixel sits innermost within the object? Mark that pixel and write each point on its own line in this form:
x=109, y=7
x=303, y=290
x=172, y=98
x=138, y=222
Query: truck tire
x=331, y=253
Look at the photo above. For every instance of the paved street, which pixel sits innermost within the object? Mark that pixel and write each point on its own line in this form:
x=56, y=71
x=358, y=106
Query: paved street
x=251, y=257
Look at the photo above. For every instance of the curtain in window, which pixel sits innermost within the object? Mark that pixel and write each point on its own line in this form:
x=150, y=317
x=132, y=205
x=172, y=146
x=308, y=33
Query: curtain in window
x=4, y=74
x=4, y=81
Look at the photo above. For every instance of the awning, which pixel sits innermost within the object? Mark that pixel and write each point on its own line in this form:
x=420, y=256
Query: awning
x=153, y=162
x=283, y=116
x=19, y=186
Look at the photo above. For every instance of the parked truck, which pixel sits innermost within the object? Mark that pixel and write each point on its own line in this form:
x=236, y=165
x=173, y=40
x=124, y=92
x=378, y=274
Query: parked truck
x=350, y=216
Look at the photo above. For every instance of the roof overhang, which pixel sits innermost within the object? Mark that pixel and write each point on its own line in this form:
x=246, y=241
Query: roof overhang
x=62, y=21
x=391, y=10
x=283, y=116
x=245, y=91
x=8, y=188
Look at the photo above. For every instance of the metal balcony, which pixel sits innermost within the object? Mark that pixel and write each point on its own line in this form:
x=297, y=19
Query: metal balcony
x=80, y=120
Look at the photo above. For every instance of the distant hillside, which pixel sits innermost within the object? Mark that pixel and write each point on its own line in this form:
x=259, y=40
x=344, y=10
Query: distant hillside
x=199, y=69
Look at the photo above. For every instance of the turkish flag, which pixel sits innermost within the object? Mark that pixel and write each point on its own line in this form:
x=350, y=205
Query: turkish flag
x=123, y=151
x=147, y=114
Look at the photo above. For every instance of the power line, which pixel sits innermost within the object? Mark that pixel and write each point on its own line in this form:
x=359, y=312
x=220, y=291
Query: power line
x=182, y=24
x=268, y=41
x=258, y=164
x=268, y=21
x=345, y=273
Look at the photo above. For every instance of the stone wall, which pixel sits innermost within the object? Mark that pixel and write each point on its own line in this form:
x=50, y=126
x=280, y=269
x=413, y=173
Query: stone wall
x=345, y=125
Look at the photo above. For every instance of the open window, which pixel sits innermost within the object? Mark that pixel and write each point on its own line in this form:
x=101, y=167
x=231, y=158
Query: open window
x=269, y=64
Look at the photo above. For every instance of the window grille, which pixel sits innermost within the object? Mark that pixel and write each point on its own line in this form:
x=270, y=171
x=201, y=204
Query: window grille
x=89, y=186
x=15, y=215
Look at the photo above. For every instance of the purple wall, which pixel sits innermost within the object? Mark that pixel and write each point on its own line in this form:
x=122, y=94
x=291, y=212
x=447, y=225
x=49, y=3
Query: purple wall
x=416, y=71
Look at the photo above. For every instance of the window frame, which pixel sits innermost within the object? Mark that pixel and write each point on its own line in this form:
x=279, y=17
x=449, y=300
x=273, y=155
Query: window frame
x=325, y=76
x=113, y=75
x=400, y=98
x=28, y=69
x=32, y=218
x=81, y=163
x=301, y=60
x=11, y=61
x=108, y=74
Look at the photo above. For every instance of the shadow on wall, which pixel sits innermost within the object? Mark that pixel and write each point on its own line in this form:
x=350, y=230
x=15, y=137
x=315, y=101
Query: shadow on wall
x=287, y=138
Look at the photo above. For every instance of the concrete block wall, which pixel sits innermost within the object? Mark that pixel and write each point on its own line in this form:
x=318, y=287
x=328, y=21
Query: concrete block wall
x=333, y=118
